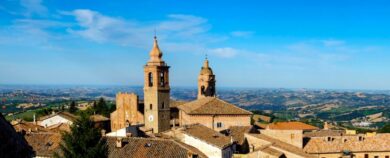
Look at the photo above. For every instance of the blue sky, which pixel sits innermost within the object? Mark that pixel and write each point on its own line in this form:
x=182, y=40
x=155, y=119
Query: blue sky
x=272, y=44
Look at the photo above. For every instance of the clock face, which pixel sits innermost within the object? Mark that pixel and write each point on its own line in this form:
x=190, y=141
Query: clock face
x=150, y=118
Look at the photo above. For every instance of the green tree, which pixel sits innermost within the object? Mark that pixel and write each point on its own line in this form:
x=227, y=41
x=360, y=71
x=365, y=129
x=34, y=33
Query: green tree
x=385, y=129
x=83, y=141
x=72, y=107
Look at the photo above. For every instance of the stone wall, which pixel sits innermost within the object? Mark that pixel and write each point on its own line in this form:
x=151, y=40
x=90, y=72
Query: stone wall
x=126, y=111
x=293, y=137
x=211, y=121
x=356, y=155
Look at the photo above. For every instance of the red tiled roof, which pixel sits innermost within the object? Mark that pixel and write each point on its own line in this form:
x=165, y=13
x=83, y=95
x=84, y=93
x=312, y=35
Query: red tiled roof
x=212, y=106
x=135, y=147
x=291, y=126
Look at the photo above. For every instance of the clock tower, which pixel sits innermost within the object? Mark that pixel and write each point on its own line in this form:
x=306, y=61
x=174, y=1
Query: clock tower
x=156, y=92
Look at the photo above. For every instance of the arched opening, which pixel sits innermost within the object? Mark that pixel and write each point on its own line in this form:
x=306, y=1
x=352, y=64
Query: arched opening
x=151, y=107
x=202, y=90
x=162, y=79
x=162, y=105
x=150, y=79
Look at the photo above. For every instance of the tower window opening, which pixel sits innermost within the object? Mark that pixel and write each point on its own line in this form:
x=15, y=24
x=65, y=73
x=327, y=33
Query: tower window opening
x=163, y=105
x=151, y=107
x=202, y=90
x=150, y=79
x=162, y=80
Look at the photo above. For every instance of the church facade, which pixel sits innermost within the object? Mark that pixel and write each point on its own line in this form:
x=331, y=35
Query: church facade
x=157, y=113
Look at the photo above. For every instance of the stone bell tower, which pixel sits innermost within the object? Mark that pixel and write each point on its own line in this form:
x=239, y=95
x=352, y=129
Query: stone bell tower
x=156, y=92
x=206, y=81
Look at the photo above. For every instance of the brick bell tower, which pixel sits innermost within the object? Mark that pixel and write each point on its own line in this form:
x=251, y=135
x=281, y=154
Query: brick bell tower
x=206, y=81
x=156, y=92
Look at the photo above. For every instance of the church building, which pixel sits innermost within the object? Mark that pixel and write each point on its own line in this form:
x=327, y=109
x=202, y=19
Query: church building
x=157, y=113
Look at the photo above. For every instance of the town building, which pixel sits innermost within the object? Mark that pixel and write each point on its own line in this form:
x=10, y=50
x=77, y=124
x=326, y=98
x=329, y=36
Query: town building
x=57, y=118
x=158, y=113
x=136, y=147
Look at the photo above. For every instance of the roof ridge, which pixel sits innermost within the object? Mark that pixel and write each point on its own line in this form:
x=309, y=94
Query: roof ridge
x=233, y=105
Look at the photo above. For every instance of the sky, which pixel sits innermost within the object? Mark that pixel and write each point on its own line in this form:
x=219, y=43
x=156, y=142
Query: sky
x=327, y=44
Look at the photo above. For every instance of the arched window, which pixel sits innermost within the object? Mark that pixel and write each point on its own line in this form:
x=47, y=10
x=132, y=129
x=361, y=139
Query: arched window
x=162, y=80
x=151, y=107
x=162, y=105
x=150, y=79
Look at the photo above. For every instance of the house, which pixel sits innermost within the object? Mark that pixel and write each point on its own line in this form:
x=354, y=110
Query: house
x=212, y=143
x=351, y=146
x=44, y=144
x=57, y=118
x=213, y=113
x=260, y=144
x=135, y=147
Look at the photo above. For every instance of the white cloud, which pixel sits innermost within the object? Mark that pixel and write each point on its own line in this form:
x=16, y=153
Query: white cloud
x=332, y=43
x=101, y=28
x=225, y=52
x=242, y=33
x=32, y=7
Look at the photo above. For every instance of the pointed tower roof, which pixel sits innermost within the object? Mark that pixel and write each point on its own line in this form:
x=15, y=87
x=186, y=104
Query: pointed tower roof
x=206, y=70
x=155, y=53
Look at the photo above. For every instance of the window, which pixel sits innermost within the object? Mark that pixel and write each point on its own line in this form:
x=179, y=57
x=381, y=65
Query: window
x=376, y=156
x=162, y=79
x=202, y=90
x=151, y=107
x=219, y=124
x=365, y=155
x=150, y=79
x=386, y=156
x=162, y=105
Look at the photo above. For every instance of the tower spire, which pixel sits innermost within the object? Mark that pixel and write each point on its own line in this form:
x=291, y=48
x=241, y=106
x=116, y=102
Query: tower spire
x=155, y=53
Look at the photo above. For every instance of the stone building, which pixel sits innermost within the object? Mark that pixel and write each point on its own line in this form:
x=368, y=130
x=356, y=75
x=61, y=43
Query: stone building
x=213, y=113
x=157, y=113
x=206, y=81
x=349, y=146
x=156, y=92
x=128, y=111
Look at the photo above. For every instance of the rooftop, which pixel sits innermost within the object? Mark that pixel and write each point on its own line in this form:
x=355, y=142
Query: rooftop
x=208, y=135
x=44, y=144
x=212, y=106
x=355, y=143
x=291, y=126
x=282, y=145
x=150, y=147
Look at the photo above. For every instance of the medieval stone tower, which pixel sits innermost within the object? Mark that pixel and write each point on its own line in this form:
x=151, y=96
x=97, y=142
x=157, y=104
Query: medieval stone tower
x=156, y=92
x=206, y=81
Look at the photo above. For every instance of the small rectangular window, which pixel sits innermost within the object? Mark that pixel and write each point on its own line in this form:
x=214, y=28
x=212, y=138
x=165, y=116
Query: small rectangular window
x=219, y=124
x=376, y=156
x=386, y=156
x=365, y=155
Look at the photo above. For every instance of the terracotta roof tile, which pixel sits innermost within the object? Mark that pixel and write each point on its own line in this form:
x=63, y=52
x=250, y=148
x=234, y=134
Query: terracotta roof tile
x=176, y=103
x=98, y=118
x=44, y=144
x=212, y=105
x=282, y=145
x=238, y=132
x=356, y=143
x=207, y=135
x=291, y=126
x=150, y=148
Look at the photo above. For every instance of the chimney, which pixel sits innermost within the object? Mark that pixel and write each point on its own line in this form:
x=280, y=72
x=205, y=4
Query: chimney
x=119, y=142
x=103, y=132
x=326, y=126
x=34, y=121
